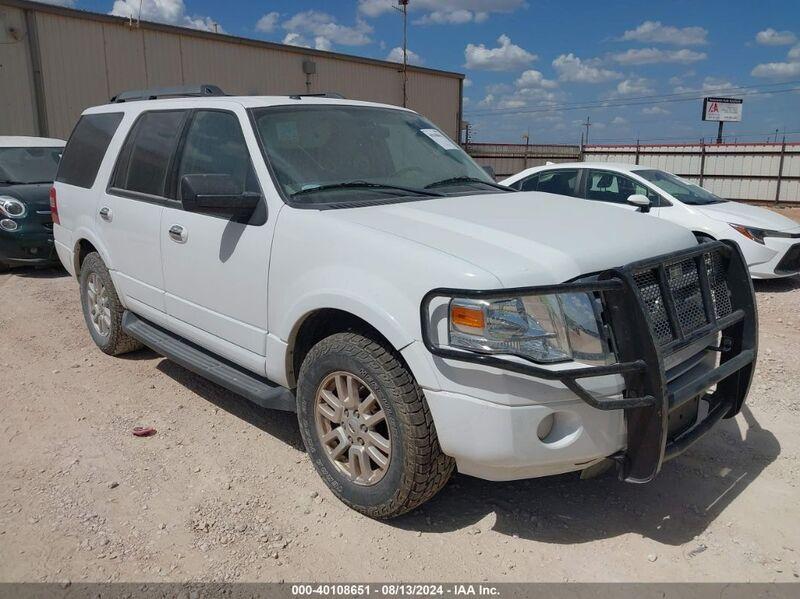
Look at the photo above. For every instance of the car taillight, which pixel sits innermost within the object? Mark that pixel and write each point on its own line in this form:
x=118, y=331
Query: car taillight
x=54, y=206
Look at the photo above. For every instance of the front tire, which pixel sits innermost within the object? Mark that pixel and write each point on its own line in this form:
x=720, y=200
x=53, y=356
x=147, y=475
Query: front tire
x=367, y=427
x=102, y=309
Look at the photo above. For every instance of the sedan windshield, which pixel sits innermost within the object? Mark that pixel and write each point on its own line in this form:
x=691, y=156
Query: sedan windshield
x=678, y=188
x=347, y=154
x=28, y=165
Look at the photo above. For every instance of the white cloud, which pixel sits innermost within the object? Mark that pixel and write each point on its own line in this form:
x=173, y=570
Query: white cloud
x=533, y=78
x=771, y=37
x=634, y=85
x=506, y=57
x=654, y=32
x=571, y=68
x=655, y=110
x=487, y=101
x=172, y=12
x=654, y=55
x=441, y=12
x=619, y=121
x=396, y=55
x=452, y=17
x=467, y=82
x=777, y=70
x=780, y=70
x=267, y=23
x=323, y=29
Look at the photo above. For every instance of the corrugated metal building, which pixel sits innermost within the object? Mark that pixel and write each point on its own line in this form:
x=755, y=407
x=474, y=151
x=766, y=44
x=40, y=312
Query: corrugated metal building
x=55, y=62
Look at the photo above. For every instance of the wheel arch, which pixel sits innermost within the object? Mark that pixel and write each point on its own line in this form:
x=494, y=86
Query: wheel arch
x=323, y=322
x=85, y=243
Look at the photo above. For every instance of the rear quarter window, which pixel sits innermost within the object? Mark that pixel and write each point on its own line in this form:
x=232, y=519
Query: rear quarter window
x=86, y=148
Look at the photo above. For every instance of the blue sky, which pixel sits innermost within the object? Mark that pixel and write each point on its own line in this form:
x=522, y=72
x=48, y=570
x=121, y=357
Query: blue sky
x=545, y=65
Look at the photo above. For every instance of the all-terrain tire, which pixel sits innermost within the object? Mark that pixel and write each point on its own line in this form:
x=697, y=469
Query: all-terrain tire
x=116, y=341
x=417, y=467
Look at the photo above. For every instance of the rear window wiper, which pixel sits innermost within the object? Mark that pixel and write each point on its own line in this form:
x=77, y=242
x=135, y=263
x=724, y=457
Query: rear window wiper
x=455, y=180
x=366, y=185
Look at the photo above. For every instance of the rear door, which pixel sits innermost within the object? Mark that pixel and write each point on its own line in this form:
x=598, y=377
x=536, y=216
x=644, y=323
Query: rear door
x=558, y=181
x=215, y=267
x=129, y=213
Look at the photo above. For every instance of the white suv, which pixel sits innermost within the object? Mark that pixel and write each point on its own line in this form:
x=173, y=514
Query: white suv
x=347, y=261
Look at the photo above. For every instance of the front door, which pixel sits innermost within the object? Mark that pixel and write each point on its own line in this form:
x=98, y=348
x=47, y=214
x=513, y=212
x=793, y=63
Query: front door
x=215, y=267
x=615, y=189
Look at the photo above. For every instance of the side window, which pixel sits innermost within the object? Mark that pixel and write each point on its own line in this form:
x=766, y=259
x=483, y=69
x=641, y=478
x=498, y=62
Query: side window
x=604, y=186
x=561, y=182
x=144, y=161
x=528, y=184
x=215, y=146
x=86, y=148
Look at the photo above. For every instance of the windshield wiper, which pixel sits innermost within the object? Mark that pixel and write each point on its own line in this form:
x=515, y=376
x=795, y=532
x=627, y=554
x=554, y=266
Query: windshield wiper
x=366, y=185
x=454, y=180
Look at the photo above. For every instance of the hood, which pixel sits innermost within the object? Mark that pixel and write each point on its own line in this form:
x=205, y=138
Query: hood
x=526, y=238
x=35, y=196
x=744, y=214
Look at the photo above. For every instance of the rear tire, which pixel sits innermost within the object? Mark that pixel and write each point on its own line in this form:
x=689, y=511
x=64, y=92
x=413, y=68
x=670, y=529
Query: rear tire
x=4, y=267
x=409, y=468
x=102, y=309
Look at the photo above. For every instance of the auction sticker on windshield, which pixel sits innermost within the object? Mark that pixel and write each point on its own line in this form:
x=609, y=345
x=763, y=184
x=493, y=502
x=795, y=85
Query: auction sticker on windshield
x=440, y=139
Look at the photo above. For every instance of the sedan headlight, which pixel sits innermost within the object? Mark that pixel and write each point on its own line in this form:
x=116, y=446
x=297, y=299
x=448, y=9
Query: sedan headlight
x=757, y=234
x=542, y=328
x=12, y=207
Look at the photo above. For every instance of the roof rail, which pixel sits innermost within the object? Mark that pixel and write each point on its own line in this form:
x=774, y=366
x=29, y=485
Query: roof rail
x=180, y=91
x=333, y=95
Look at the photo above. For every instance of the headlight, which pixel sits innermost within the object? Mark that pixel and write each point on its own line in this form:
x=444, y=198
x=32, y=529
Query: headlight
x=12, y=207
x=543, y=328
x=757, y=234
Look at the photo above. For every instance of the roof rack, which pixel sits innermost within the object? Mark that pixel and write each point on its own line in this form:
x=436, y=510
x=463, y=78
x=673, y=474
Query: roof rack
x=181, y=91
x=333, y=95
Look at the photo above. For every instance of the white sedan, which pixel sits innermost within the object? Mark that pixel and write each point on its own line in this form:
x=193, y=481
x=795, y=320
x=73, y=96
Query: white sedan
x=770, y=242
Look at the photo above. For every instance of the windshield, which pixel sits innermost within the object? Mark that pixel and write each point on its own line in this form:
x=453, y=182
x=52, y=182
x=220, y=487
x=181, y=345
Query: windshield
x=678, y=188
x=29, y=165
x=343, y=154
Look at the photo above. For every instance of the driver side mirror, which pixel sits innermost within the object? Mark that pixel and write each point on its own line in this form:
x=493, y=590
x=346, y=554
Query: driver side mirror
x=217, y=194
x=641, y=201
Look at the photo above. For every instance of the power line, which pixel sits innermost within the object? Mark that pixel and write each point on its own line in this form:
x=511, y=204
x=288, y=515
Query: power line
x=640, y=100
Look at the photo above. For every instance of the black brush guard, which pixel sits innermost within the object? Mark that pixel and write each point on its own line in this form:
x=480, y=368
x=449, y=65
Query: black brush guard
x=647, y=400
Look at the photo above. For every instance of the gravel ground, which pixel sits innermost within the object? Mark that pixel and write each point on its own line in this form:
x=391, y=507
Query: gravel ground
x=224, y=490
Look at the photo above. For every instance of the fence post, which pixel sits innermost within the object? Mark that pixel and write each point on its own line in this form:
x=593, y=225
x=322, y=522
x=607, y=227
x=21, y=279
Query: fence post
x=780, y=172
x=702, y=160
x=637, y=151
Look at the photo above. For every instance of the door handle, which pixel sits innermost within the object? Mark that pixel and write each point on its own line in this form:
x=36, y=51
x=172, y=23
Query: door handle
x=106, y=214
x=178, y=234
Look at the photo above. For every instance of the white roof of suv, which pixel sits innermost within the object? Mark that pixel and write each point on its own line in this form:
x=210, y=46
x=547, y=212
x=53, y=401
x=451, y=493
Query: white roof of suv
x=18, y=141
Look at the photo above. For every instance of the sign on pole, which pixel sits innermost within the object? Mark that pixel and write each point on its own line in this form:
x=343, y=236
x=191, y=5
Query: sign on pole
x=722, y=109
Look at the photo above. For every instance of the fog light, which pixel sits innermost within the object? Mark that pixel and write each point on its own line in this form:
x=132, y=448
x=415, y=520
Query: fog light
x=545, y=426
x=8, y=225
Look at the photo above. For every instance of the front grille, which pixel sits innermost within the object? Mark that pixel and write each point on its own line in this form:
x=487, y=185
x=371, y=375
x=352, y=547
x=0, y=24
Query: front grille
x=673, y=295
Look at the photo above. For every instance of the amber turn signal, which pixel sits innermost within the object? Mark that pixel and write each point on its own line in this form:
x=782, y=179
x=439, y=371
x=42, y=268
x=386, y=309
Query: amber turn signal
x=466, y=316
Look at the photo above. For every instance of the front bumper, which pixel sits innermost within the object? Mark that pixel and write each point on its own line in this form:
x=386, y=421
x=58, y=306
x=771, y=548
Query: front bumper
x=28, y=245
x=777, y=257
x=658, y=391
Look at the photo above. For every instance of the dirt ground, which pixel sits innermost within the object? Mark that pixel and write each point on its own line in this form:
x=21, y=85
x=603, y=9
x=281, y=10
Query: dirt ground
x=224, y=491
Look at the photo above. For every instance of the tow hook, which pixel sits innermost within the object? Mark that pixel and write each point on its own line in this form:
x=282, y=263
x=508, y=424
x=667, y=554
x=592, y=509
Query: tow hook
x=724, y=347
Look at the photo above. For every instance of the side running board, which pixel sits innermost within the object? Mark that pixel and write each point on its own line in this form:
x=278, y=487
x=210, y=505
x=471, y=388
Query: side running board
x=257, y=389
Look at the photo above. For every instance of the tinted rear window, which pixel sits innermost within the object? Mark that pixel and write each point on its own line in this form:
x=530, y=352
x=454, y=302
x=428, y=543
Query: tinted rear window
x=86, y=147
x=145, y=157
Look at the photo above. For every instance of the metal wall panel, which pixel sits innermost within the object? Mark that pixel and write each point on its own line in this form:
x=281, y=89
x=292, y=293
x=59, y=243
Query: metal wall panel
x=17, y=101
x=73, y=69
x=87, y=58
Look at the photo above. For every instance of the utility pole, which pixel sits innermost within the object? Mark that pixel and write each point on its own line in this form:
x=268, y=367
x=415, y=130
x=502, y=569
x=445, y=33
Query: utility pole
x=403, y=8
x=527, y=138
x=587, y=124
